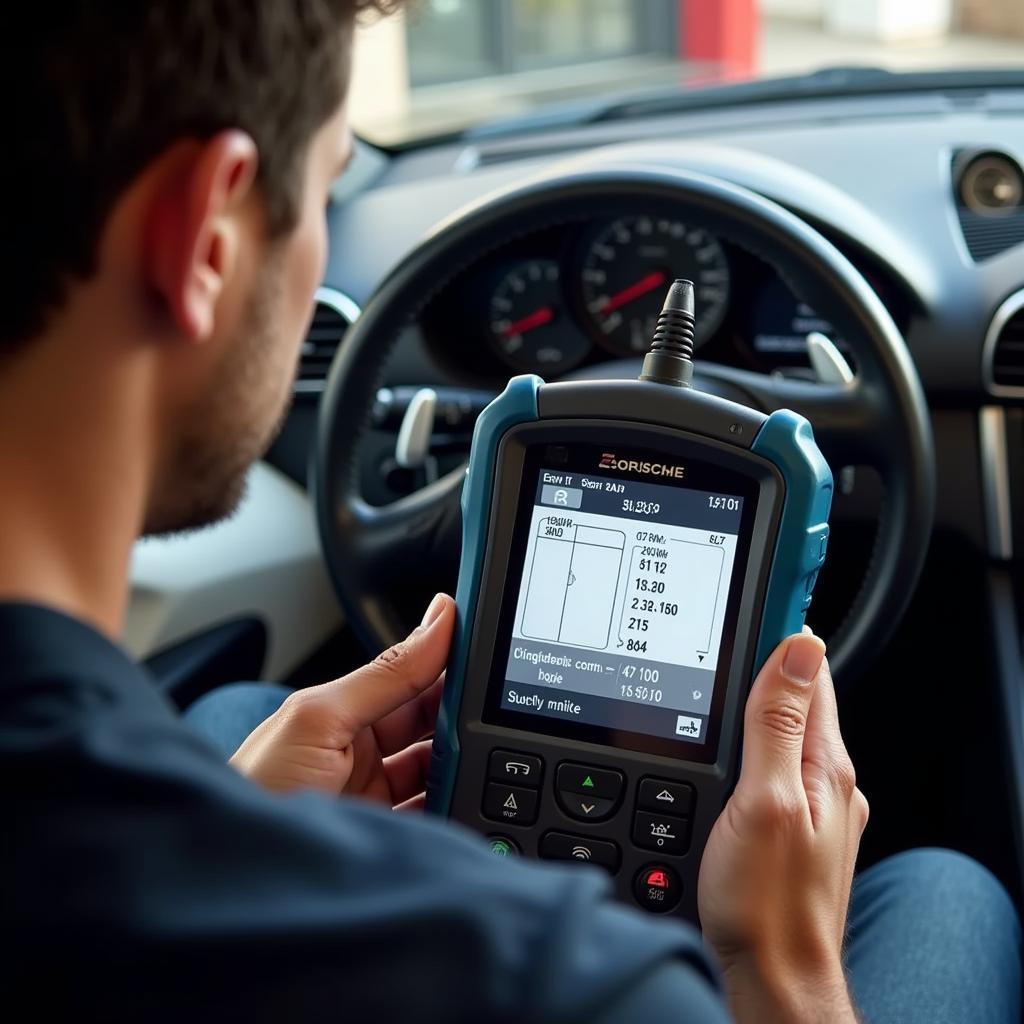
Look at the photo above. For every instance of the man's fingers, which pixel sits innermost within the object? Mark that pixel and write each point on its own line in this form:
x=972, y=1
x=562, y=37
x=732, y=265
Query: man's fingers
x=401, y=673
x=417, y=804
x=777, y=712
x=824, y=741
x=827, y=768
x=411, y=721
x=406, y=772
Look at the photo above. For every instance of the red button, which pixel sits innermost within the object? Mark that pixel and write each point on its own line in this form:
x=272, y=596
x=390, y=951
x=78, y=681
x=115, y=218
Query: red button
x=657, y=888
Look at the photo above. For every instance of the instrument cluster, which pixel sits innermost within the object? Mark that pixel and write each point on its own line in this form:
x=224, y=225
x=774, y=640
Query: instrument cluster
x=569, y=295
x=547, y=313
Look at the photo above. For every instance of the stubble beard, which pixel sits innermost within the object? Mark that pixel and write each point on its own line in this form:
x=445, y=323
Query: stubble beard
x=233, y=424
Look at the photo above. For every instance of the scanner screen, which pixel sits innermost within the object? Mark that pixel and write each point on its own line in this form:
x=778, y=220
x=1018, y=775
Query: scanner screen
x=621, y=599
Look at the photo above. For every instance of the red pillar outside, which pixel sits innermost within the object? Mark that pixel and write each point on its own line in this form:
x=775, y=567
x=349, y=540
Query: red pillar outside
x=722, y=33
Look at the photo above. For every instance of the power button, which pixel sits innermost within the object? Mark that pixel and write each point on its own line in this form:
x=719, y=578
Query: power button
x=657, y=888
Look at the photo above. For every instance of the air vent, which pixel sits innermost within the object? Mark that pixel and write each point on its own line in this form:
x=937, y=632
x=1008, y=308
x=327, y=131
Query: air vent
x=332, y=317
x=1004, y=348
x=1008, y=357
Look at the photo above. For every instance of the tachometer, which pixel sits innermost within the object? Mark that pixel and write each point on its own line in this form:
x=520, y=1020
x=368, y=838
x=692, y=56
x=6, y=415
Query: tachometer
x=528, y=325
x=628, y=267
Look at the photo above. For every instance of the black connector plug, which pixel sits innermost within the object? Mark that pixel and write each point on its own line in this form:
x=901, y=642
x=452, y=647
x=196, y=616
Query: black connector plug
x=670, y=360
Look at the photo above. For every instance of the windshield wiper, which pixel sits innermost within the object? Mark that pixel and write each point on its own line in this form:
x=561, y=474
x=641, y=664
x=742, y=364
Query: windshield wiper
x=827, y=83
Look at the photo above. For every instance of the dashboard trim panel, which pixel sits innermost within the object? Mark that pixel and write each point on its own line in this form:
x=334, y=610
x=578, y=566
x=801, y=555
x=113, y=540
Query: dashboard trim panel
x=995, y=481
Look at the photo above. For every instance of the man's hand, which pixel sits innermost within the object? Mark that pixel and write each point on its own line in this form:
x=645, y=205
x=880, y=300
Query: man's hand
x=776, y=875
x=364, y=734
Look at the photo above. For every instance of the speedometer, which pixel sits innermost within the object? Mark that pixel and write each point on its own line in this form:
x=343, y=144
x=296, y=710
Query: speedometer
x=627, y=269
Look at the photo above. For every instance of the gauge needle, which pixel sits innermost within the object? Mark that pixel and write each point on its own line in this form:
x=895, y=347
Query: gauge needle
x=538, y=318
x=634, y=291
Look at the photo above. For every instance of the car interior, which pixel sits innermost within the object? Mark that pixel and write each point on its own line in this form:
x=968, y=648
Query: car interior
x=856, y=242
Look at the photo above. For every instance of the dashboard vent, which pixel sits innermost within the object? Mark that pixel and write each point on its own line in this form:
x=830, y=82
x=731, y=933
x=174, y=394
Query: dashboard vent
x=1005, y=348
x=334, y=313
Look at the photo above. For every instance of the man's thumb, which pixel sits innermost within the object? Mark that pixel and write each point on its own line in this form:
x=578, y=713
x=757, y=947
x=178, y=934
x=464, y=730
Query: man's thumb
x=777, y=710
x=400, y=673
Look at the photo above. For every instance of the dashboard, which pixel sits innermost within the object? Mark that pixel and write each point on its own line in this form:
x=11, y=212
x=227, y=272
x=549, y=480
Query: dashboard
x=560, y=297
x=875, y=175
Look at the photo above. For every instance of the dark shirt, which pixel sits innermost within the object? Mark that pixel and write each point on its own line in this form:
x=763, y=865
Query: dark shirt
x=145, y=880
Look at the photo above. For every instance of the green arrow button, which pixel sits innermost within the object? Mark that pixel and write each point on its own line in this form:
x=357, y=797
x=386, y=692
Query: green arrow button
x=588, y=782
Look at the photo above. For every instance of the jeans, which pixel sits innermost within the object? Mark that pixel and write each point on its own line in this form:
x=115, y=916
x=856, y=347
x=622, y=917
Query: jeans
x=933, y=937
x=227, y=715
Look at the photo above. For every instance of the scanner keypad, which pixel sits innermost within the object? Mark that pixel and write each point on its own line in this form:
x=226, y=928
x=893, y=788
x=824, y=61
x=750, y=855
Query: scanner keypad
x=662, y=814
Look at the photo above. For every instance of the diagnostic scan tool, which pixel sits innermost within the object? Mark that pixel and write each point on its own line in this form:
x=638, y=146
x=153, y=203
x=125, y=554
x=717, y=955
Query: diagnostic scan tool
x=632, y=553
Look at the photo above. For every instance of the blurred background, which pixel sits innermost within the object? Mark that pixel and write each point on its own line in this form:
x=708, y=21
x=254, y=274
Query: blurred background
x=445, y=65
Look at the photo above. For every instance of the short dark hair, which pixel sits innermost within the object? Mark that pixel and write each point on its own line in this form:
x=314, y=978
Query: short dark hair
x=97, y=89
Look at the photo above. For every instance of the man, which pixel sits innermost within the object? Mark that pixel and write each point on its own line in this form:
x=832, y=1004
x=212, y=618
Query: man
x=165, y=174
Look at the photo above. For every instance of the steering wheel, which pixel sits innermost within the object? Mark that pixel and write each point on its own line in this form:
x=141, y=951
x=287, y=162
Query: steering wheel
x=879, y=419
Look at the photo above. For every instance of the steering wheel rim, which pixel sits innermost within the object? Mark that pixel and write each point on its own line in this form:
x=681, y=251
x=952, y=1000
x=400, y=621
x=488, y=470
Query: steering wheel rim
x=880, y=419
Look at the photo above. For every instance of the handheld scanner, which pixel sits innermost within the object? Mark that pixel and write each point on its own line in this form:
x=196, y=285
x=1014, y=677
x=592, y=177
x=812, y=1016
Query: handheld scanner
x=632, y=553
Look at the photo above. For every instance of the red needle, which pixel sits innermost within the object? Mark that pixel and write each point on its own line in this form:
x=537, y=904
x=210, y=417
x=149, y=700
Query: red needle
x=538, y=318
x=634, y=291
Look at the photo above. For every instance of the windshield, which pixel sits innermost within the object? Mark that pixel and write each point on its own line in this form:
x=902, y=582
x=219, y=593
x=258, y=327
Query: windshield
x=444, y=66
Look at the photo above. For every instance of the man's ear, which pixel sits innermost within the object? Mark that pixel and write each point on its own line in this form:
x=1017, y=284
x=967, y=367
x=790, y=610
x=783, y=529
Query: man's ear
x=195, y=224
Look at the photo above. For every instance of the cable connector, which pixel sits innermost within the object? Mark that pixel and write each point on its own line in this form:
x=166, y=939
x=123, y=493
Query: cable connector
x=670, y=359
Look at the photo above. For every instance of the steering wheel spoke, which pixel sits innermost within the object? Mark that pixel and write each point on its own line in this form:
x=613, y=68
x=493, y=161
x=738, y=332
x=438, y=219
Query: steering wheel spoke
x=416, y=533
x=849, y=420
x=416, y=537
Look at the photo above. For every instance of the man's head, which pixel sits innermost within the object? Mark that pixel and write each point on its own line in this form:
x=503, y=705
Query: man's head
x=163, y=190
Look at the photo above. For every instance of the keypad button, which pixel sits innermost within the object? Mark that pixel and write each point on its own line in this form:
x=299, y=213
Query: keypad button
x=657, y=888
x=662, y=833
x=579, y=778
x=664, y=797
x=514, y=768
x=513, y=804
x=562, y=846
x=502, y=846
x=584, y=807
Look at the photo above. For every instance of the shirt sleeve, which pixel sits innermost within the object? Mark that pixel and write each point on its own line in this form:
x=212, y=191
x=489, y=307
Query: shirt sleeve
x=150, y=881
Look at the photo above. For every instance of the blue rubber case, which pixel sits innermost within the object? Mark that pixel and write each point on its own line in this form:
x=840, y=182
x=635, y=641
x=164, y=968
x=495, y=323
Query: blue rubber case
x=784, y=440
x=516, y=404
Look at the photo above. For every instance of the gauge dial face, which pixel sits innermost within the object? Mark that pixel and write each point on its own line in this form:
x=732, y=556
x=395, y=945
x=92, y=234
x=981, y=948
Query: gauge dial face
x=628, y=268
x=527, y=321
